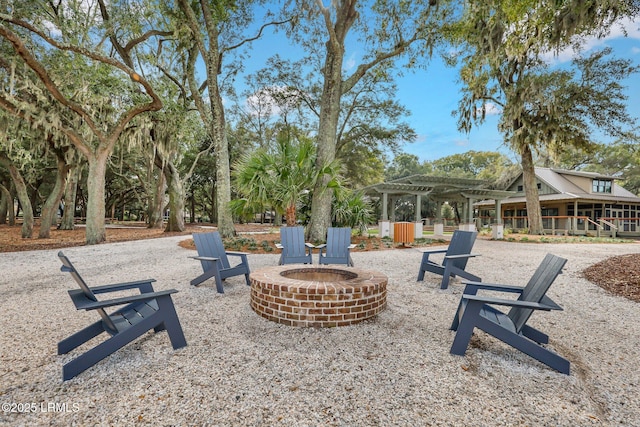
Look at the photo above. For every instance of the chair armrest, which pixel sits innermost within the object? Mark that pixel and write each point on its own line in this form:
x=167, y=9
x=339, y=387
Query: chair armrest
x=351, y=246
x=547, y=305
x=461, y=256
x=309, y=245
x=279, y=246
x=236, y=253
x=114, y=287
x=204, y=258
x=432, y=251
x=476, y=286
x=324, y=245
x=83, y=303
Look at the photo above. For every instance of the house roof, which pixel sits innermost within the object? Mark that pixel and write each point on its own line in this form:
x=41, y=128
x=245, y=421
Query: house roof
x=567, y=190
x=556, y=178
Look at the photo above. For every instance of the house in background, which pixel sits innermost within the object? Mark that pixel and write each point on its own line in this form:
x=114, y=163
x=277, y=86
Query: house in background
x=573, y=202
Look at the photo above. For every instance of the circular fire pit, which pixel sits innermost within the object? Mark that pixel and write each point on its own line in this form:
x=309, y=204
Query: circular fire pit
x=317, y=296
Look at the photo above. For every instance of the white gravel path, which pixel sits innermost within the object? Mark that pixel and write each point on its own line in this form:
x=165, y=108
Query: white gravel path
x=242, y=370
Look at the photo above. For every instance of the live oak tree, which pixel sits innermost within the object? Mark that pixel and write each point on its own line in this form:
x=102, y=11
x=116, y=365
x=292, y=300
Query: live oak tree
x=384, y=30
x=213, y=31
x=98, y=92
x=371, y=122
x=502, y=46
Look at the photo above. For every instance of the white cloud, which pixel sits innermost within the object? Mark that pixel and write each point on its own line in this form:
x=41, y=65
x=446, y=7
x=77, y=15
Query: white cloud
x=492, y=109
x=271, y=101
x=350, y=62
x=624, y=27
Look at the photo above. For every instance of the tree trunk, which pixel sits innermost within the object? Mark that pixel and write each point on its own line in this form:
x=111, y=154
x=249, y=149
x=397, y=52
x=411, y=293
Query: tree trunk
x=192, y=209
x=50, y=207
x=6, y=204
x=96, y=231
x=156, y=207
x=327, y=131
x=291, y=215
x=534, y=214
x=176, y=199
x=223, y=173
x=23, y=198
x=68, y=216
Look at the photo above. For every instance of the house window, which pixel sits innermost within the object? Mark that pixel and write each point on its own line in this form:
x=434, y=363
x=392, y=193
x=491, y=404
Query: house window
x=521, y=187
x=602, y=186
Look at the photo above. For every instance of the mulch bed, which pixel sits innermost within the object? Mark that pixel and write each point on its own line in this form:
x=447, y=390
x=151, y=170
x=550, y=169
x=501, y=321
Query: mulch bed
x=619, y=275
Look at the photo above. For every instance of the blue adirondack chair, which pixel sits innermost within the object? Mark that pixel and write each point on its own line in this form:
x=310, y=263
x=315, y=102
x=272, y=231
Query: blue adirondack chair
x=215, y=260
x=338, y=246
x=455, y=259
x=476, y=311
x=294, y=249
x=141, y=313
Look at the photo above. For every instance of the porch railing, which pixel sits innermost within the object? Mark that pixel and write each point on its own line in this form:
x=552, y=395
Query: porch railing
x=577, y=225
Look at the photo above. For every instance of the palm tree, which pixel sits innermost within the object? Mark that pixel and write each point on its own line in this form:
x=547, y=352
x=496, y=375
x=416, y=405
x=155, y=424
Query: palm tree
x=278, y=177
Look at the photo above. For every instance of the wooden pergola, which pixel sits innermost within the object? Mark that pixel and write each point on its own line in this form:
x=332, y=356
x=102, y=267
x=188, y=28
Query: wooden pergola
x=439, y=189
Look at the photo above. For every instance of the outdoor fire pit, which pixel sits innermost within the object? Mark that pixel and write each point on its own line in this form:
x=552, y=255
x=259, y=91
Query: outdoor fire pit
x=317, y=296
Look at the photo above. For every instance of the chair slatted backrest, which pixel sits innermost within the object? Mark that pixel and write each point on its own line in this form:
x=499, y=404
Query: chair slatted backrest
x=461, y=244
x=210, y=245
x=338, y=241
x=537, y=287
x=68, y=267
x=292, y=240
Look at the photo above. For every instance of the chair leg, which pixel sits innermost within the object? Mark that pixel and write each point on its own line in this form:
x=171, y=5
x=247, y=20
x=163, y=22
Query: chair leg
x=219, y=284
x=535, y=335
x=425, y=259
x=465, y=327
x=99, y=352
x=444, y=284
x=80, y=337
x=530, y=348
x=203, y=277
x=171, y=322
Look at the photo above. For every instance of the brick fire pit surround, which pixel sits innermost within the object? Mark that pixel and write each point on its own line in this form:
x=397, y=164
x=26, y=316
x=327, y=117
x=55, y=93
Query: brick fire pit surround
x=317, y=296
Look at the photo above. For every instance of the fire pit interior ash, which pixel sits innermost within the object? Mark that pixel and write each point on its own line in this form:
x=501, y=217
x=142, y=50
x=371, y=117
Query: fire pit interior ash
x=317, y=296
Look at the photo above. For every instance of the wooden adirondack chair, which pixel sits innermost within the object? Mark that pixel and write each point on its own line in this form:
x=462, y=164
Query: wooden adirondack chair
x=294, y=248
x=215, y=261
x=143, y=312
x=455, y=259
x=476, y=311
x=338, y=246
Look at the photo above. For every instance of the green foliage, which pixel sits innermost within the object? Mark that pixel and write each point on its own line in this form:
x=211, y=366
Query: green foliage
x=278, y=177
x=352, y=209
x=501, y=47
x=405, y=165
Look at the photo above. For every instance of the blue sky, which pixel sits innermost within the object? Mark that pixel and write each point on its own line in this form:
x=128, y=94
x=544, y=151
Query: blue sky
x=431, y=95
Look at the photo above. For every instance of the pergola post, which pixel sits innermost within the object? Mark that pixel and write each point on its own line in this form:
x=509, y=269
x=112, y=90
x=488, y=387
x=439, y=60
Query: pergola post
x=497, y=229
x=436, y=188
x=438, y=226
x=384, y=226
x=418, y=224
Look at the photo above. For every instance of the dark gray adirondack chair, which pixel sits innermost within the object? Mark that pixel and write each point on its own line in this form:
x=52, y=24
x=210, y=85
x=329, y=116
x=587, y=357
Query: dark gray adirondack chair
x=338, y=246
x=149, y=310
x=294, y=248
x=455, y=259
x=476, y=311
x=215, y=260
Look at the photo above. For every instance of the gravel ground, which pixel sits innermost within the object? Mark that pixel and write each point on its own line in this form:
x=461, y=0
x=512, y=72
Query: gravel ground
x=240, y=369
